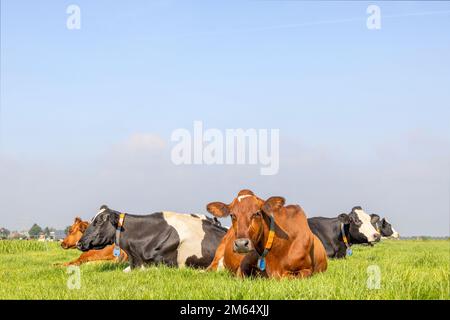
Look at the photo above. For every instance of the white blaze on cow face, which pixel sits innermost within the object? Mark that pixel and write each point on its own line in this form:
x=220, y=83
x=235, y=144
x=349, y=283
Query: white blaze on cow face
x=98, y=213
x=366, y=227
x=191, y=234
x=395, y=234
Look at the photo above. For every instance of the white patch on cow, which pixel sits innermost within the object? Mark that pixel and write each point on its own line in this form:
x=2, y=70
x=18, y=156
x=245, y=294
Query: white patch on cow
x=95, y=217
x=127, y=269
x=395, y=234
x=190, y=232
x=243, y=197
x=220, y=265
x=366, y=227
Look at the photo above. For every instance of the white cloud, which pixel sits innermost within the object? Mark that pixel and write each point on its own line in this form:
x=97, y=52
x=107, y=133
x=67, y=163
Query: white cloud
x=405, y=179
x=142, y=142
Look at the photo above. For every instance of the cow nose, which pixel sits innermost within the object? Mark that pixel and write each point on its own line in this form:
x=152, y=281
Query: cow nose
x=242, y=245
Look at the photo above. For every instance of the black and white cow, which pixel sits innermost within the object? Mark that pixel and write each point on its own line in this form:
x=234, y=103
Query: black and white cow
x=384, y=227
x=356, y=227
x=169, y=238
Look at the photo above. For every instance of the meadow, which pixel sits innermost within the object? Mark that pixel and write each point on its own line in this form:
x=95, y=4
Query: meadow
x=409, y=269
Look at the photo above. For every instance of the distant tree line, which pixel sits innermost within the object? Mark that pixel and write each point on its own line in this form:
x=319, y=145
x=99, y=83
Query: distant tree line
x=4, y=233
x=34, y=232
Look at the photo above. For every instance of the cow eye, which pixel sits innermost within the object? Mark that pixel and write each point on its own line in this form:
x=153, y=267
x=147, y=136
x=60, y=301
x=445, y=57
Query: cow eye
x=257, y=214
x=233, y=216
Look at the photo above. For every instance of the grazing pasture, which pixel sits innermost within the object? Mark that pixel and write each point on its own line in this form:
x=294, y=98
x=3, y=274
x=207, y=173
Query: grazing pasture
x=410, y=269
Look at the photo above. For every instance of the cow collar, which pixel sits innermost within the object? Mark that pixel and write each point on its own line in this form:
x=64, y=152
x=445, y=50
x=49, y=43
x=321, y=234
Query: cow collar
x=349, y=250
x=268, y=246
x=118, y=232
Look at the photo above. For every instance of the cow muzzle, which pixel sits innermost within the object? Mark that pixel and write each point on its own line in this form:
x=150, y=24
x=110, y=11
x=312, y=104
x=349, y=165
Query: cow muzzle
x=81, y=246
x=242, y=246
x=377, y=237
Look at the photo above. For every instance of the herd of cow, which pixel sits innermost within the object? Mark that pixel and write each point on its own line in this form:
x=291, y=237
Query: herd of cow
x=267, y=238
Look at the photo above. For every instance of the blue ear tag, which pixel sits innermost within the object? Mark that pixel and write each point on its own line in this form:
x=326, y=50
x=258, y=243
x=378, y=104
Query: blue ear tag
x=349, y=252
x=262, y=264
x=116, y=251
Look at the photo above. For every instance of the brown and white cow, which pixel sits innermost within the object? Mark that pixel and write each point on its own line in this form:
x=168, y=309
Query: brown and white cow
x=295, y=250
x=76, y=231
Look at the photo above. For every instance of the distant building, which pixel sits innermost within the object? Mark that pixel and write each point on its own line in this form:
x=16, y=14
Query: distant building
x=24, y=234
x=20, y=235
x=58, y=235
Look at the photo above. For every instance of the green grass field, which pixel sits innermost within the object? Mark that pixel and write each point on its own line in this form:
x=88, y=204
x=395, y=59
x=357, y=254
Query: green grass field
x=410, y=269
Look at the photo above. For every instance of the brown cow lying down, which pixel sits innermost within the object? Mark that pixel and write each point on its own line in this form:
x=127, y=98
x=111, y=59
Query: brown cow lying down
x=75, y=233
x=248, y=249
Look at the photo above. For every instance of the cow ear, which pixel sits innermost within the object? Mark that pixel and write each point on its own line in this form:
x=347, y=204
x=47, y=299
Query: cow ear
x=344, y=218
x=77, y=220
x=218, y=209
x=374, y=218
x=83, y=227
x=273, y=204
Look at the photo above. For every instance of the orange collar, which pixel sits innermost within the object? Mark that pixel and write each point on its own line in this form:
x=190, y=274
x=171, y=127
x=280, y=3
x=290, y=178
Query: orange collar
x=269, y=243
x=116, y=250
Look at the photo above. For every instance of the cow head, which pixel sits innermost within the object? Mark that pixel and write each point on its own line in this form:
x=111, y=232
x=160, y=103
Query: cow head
x=359, y=225
x=249, y=218
x=101, y=230
x=75, y=233
x=385, y=228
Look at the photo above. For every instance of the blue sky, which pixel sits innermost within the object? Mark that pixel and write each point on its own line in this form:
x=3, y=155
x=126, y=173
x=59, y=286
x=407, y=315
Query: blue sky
x=375, y=102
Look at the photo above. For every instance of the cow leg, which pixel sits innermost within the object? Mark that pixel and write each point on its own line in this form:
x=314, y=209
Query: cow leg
x=92, y=255
x=105, y=254
x=300, y=260
x=80, y=260
x=248, y=266
x=303, y=273
x=135, y=262
x=127, y=269
x=341, y=252
x=217, y=262
x=331, y=252
x=86, y=257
